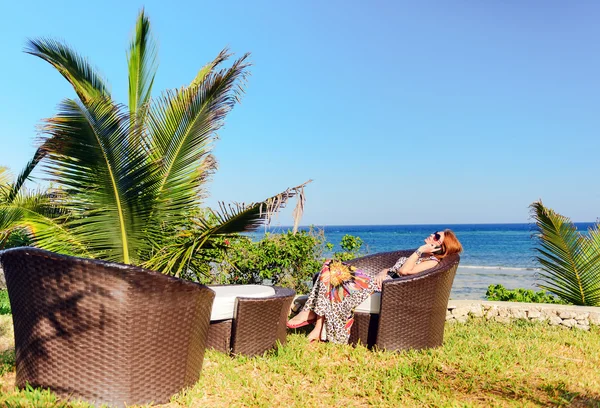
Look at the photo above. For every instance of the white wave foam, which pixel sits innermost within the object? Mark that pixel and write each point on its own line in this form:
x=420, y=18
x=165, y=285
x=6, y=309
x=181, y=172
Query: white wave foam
x=510, y=268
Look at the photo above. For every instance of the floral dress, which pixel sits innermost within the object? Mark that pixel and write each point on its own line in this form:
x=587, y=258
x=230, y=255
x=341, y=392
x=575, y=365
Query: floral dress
x=338, y=290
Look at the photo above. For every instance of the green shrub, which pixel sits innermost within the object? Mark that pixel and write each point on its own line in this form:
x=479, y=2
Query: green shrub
x=17, y=238
x=286, y=259
x=4, y=303
x=351, y=246
x=499, y=292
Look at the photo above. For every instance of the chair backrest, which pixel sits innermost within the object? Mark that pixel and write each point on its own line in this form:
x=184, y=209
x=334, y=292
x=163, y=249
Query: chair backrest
x=413, y=308
x=260, y=322
x=101, y=331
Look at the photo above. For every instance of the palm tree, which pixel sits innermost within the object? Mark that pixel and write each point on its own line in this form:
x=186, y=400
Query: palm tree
x=28, y=216
x=570, y=260
x=124, y=175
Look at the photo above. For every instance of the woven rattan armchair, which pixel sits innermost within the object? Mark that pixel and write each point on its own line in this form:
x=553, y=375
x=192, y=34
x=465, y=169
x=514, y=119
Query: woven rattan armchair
x=413, y=308
x=258, y=324
x=104, y=332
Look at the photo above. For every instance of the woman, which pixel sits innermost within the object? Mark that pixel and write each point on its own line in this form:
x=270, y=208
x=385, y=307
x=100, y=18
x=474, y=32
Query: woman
x=340, y=287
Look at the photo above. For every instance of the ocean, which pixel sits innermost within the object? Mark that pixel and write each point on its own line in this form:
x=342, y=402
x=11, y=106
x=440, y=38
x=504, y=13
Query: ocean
x=493, y=253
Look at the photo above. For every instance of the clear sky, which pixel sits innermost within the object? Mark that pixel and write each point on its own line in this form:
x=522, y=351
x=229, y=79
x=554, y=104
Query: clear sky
x=401, y=112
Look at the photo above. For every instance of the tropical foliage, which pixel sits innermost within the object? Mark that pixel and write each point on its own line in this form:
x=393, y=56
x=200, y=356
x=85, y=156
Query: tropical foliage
x=288, y=259
x=500, y=293
x=570, y=260
x=351, y=248
x=285, y=259
x=4, y=302
x=124, y=177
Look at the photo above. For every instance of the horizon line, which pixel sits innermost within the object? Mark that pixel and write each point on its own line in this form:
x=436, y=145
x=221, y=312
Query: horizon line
x=416, y=225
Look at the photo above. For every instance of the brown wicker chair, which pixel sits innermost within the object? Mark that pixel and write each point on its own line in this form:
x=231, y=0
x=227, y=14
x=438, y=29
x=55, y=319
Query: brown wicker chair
x=257, y=326
x=104, y=332
x=413, y=308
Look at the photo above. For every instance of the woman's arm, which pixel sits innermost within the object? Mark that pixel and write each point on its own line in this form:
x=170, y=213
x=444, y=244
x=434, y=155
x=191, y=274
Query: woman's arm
x=423, y=266
x=410, y=266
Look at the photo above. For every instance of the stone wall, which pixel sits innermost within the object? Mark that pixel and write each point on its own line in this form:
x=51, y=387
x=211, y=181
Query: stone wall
x=580, y=317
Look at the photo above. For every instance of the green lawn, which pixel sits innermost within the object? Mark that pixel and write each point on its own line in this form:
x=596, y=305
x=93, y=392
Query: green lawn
x=4, y=303
x=481, y=364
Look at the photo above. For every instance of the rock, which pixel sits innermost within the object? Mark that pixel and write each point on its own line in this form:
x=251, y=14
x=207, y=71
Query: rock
x=569, y=322
x=594, y=318
x=460, y=311
x=582, y=316
x=549, y=313
x=476, y=311
x=448, y=314
x=583, y=327
x=534, y=314
x=502, y=319
x=491, y=312
x=462, y=319
x=518, y=314
x=566, y=314
x=503, y=312
x=555, y=320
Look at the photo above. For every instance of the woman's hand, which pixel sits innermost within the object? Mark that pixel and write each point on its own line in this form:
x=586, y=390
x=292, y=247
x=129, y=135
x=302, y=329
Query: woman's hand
x=380, y=277
x=427, y=248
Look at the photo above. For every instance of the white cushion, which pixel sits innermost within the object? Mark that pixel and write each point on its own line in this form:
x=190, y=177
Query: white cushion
x=224, y=303
x=371, y=305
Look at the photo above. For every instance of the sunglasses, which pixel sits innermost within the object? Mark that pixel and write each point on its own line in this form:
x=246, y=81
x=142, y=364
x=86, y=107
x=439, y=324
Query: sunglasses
x=436, y=236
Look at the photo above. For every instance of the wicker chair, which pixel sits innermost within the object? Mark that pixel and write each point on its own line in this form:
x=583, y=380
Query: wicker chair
x=257, y=326
x=413, y=308
x=104, y=332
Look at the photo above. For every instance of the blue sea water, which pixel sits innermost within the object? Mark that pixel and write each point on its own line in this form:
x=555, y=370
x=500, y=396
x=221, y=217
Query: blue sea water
x=493, y=253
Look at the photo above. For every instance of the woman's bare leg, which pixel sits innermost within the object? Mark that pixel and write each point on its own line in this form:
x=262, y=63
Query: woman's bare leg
x=315, y=334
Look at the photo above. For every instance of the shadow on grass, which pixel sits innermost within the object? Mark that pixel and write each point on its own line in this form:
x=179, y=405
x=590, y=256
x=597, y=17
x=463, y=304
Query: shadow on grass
x=560, y=395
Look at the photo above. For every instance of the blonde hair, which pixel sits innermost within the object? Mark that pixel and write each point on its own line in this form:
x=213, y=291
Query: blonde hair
x=450, y=245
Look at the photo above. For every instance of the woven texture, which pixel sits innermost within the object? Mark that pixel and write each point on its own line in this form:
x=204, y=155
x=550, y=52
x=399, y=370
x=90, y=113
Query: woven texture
x=413, y=308
x=258, y=325
x=104, y=332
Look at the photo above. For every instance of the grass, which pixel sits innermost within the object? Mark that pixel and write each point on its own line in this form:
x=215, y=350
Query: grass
x=4, y=302
x=481, y=364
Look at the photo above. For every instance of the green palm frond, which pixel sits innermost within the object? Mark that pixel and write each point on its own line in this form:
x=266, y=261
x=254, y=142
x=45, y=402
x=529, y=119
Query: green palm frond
x=181, y=253
x=104, y=176
x=591, y=263
x=142, y=64
x=42, y=217
x=5, y=176
x=210, y=67
x=86, y=81
x=130, y=178
x=16, y=187
x=5, y=183
x=182, y=126
x=568, y=259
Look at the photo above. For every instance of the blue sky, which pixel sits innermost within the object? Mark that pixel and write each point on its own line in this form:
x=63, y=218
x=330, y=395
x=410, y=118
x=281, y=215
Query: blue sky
x=401, y=112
